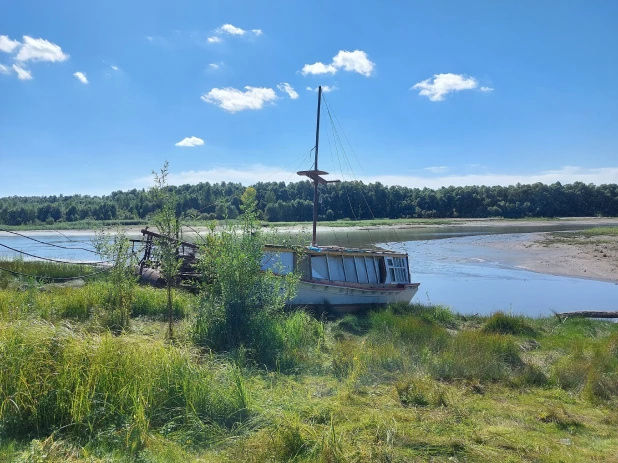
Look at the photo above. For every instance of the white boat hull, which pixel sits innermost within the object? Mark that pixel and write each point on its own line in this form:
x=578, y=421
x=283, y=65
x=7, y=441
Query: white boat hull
x=341, y=297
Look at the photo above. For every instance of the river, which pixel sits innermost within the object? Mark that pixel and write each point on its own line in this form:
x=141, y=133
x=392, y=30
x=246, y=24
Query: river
x=468, y=278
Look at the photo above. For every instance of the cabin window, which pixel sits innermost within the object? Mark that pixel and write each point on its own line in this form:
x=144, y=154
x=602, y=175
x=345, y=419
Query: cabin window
x=397, y=269
x=280, y=263
x=372, y=274
x=319, y=268
x=350, y=270
x=335, y=268
x=361, y=269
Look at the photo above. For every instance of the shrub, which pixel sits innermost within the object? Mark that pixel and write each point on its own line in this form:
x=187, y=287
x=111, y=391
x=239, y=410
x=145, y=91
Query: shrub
x=502, y=323
x=242, y=306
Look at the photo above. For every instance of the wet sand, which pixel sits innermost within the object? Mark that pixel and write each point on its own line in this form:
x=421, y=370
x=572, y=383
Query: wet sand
x=563, y=254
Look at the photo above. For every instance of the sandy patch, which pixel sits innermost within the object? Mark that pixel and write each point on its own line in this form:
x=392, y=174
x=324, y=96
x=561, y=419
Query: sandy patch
x=565, y=254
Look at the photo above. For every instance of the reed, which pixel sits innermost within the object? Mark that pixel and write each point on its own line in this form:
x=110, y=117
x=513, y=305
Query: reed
x=68, y=383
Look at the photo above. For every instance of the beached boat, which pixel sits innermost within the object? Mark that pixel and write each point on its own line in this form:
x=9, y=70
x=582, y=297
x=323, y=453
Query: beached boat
x=331, y=277
x=341, y=279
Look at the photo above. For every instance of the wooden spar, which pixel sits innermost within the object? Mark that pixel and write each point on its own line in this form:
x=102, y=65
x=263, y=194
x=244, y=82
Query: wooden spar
x=315, y=174
x=148, y=233
x=587, y=314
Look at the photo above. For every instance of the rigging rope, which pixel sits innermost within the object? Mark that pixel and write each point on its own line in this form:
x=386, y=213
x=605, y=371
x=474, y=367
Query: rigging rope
x=338, y=138
x=45, y=243
x=54, y=260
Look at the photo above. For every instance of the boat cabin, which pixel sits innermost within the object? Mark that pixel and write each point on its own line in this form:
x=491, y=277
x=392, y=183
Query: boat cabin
x=332, y=263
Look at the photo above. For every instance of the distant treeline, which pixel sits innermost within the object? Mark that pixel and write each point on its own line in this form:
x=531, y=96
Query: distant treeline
x=348, y=200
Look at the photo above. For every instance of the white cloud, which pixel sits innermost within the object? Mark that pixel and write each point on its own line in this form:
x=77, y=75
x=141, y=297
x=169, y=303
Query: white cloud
x=325, y=88
x=437, y=169
x=352, y=61
x=214, y=65
x=232, y=30
x=234, y=100
x=115, y=68
x=248, y=175
x=318, y=68
x=355, y=61
x=4, y=69
x=486, y=89
x=81, y=77
x=40, y=50
x=287, y=88
x=22, y=74
x=435, y=89
x=7, y=45
x=214, y=39
x=190, y=142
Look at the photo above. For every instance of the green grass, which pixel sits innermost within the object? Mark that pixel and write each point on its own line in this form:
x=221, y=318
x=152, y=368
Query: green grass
x=40, y=268
x=83, y=303
x=600, y=231
x=409, y=383
x=78, y=225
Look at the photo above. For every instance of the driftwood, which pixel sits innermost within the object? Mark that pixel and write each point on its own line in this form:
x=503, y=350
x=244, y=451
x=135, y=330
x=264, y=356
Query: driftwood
x=587, y=314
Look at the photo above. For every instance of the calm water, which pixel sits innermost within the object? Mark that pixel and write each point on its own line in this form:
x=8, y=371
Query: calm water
x=453, y=267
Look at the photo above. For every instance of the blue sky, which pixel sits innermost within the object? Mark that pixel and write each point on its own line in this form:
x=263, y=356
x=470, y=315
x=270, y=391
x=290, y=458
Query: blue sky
x=95, y=95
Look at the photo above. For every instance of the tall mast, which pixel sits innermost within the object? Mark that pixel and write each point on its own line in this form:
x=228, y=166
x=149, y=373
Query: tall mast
x=314, y=240
x=315, y=174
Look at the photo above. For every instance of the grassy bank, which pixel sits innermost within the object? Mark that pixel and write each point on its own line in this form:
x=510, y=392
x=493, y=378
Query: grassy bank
x=77, y=225
x=410, y=383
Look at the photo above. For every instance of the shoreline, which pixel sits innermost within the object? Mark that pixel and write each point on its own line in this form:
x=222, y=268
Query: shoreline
x=535, y=249
x=453, y=223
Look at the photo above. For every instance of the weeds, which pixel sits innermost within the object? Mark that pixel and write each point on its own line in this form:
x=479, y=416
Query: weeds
x=502, y=323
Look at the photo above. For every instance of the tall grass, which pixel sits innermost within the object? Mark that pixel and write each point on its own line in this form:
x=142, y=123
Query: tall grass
x=57, y=381
x=40, y=268
x=83, y=302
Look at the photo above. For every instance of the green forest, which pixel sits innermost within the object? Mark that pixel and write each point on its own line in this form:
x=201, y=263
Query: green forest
x=292, y=202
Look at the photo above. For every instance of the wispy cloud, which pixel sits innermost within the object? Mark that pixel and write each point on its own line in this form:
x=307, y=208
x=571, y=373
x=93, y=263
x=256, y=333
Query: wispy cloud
x=190, y=142
x=7, y=45
x=437, y=169
x=440, y=85
x=214, y=39
x=214, y=66
x=233, y=30
x=22, y=74
x=81, y=77
x=287, y=88
x=352, y=61
x=325, y=88
x=29, y=50
x=40, y=50
x=318, y=68
x=115, y=68
x=248, y=175
x=234, y=100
